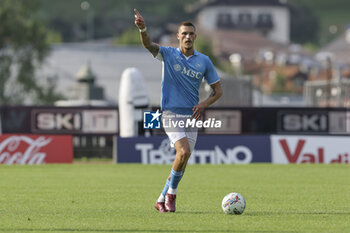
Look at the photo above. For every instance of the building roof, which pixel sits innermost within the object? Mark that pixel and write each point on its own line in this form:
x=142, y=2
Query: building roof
x=207, y=3
x=85, y=73
x=107, y=62
x=339, y=48
x=246, y=43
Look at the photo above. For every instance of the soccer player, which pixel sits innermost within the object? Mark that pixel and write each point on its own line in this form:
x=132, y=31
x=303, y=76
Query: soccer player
x=183, y=71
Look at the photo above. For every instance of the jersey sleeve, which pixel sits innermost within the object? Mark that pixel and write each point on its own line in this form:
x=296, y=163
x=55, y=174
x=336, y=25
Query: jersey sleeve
x=210, y=75
x=163, y=53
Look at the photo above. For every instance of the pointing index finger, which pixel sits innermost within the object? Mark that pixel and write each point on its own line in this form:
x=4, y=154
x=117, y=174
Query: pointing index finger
x=137, y=13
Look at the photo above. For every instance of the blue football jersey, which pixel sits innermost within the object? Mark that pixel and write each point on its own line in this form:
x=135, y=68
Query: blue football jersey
x=182, y=77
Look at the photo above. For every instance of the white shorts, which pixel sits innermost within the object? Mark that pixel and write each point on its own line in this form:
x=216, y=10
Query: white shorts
x=177, y=132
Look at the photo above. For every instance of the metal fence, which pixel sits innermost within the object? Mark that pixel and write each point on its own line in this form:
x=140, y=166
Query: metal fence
x=238, y=91
x=323, y=93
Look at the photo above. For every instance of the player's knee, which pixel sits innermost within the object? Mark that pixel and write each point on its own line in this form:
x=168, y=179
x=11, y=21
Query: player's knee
x=184, y=154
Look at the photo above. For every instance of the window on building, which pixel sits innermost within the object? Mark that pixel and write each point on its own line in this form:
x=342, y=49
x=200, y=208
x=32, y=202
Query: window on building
x=245, y=21
x=225, y=21
x=264, y=21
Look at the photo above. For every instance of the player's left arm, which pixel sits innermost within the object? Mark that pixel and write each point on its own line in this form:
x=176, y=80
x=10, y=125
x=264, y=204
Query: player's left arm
x=216, y=93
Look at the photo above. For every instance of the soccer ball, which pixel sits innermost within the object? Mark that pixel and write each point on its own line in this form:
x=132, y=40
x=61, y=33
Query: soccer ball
x=233, y=203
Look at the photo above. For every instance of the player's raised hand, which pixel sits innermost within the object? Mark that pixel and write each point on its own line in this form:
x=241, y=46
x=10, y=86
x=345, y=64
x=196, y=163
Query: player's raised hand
x=139, y=21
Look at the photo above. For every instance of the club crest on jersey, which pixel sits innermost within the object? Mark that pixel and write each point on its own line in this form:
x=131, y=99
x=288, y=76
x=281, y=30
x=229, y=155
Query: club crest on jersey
x=177, y=67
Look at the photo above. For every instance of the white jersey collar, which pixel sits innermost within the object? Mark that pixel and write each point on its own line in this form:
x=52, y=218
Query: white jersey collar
x=195, y=53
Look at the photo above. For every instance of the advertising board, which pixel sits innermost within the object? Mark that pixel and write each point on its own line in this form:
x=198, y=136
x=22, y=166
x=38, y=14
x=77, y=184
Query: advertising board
x=309, y=149
x=15, y=119
x=339, y=122
x=74, y=121
x=231, y=121
x=35, y=149
x=293, y=121
x=210, y=149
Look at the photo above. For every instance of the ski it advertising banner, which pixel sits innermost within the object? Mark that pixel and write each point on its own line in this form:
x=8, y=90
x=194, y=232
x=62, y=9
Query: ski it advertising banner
x=74, y=121
x=310, y=149
x=35, y=149
x=209, y=149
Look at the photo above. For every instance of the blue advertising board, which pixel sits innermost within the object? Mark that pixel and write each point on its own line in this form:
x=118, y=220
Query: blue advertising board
x=210, y=149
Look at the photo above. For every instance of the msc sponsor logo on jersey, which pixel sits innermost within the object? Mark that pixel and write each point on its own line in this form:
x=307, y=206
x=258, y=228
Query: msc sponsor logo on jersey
x=188, y=72
x=191, y=73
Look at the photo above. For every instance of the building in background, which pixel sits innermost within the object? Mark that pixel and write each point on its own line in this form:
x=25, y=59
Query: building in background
x=108, y=63
x=330, y=87
x=238, y=91
x=84, y=91
x=254, y=36
x=270, y=18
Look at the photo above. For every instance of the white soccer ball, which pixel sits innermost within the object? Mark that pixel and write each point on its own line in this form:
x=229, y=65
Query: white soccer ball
x=233, y=203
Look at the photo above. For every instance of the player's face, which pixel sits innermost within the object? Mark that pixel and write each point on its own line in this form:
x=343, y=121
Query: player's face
x=186, y=36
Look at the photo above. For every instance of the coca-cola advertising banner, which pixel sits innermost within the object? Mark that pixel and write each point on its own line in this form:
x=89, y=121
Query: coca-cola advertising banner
x=223, y=149
x=310, y=149
x=35, y=149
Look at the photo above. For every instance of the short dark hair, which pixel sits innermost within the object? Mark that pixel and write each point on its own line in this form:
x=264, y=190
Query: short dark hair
x=187, y=23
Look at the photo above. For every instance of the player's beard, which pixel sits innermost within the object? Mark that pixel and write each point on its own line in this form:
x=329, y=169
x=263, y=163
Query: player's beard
x=188, y=46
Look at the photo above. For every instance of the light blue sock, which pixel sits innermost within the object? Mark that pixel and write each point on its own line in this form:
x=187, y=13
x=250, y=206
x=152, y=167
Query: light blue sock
x=166, y=187
x=175, y=178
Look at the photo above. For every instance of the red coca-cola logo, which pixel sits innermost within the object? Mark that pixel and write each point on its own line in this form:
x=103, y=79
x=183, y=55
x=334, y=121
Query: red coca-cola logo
x=35, y=149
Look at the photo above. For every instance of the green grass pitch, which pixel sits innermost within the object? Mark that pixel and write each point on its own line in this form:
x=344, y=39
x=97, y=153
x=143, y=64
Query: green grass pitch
x=120, y=198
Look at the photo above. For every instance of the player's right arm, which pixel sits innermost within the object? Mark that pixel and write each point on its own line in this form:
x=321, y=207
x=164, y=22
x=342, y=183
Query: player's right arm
x=145, y=39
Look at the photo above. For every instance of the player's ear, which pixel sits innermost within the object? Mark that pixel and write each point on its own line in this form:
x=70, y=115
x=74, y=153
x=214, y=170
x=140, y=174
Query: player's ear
x=178, y=35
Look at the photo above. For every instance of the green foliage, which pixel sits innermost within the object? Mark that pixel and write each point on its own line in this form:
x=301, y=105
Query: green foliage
x=23, y=45
x=327, y=13
x=204, y=46
x=53, y=37
x=310, y=47
x=129, y=37
x=280, y=81
x=109, y=17
x=310, y=19
x=48, y=94
x=304, y=25
x=120, y=198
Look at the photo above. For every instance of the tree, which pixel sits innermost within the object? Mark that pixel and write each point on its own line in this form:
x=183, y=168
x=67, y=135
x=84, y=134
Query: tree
x=23, y=47
x=305, y=25
x=129, y=37
x=204, y=46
